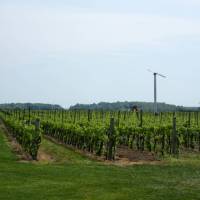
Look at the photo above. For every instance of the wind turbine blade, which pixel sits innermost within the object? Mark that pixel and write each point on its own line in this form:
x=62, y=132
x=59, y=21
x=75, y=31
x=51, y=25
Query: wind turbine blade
x=150, y=71
x=161, y=75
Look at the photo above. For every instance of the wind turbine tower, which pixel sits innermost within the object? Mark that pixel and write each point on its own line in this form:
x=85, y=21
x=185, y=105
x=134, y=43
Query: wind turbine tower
x=155, y=74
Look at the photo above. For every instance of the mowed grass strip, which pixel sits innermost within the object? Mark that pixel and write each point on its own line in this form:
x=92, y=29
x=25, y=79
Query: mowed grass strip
x=6, y=154
x=59, y=154
x=72, y=176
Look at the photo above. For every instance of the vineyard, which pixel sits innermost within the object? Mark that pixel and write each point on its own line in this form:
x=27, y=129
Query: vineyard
x=102, y=132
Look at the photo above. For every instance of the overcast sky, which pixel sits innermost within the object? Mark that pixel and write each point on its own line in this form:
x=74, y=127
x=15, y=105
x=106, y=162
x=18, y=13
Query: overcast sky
x=75, y=51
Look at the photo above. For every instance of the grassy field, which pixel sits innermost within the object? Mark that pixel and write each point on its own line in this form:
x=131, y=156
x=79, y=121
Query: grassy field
x=71, y=176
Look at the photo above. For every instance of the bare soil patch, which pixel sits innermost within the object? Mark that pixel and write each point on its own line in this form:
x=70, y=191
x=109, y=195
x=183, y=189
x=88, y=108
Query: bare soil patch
x=134, y=155
x=124, y=155
x=44, y=156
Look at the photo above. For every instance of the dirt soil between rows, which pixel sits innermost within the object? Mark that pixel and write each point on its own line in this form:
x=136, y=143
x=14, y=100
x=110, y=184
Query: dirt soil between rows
x=127, y=156
x=124, y=155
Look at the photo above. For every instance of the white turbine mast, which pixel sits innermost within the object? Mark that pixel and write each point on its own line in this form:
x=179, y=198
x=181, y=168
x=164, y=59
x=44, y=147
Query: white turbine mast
x=155, y=74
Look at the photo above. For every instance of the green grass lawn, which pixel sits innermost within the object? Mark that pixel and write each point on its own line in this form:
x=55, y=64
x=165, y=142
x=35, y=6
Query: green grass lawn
x=72, y=176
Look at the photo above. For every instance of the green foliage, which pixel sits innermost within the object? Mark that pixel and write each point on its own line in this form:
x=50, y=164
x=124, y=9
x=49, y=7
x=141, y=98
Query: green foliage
x=25, y=135
x=90, y=137
x=89, y=130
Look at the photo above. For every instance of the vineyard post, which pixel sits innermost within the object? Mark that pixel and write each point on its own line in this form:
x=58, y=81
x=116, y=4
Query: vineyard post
x=62, y=116
x=29, y=115
x=174, y=137
x=75, y=112
x=19, y=114
x=79, y=115
x=188, y=133
x=49, y=115
x=141, y=137
x=102, y=116
x=197, y=115
x=189, y=119
x=141, y=118
x=37, y=124
x=54, y=115
x=124, y=115
x=89, y=115
x=37, y=130
x=119, y=115
x=111, y=140
x=24, y=112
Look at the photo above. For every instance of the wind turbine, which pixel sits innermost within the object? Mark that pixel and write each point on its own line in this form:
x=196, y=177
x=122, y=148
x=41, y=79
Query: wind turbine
x=155, y=89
